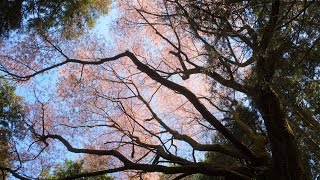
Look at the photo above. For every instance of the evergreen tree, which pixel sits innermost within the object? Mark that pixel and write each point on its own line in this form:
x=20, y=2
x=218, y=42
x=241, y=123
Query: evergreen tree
x=69, y=17
x=70, y=169
x=11, y=121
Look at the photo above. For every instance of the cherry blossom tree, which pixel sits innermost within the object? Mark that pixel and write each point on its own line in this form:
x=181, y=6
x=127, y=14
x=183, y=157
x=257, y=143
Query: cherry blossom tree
x=178, y=74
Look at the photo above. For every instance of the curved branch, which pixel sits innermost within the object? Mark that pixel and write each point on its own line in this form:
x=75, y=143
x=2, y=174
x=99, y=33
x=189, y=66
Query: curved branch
x=13, y=172
x=70, y=148
x=192, y=168
x=100, y=61
x=196, y=103
x=169, y=84
x=194, y=144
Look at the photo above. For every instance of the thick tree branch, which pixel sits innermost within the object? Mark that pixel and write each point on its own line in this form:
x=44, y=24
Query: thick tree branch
x=128, y=165
x=169, y=84
x=100, y=61
x=70, y=148
x=13, y=172
x=194, y=144
x=195, y=101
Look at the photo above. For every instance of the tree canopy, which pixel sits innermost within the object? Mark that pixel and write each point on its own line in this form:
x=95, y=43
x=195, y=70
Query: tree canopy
x=12, y=127
x=71, y=169
x=222, y=89
x=69, y=17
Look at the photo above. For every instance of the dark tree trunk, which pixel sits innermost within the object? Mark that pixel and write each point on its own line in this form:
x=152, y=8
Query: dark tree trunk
x=3, y=175
x=286, y=161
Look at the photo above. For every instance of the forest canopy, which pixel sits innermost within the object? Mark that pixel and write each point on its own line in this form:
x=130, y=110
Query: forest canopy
x=177, y=89
x=69, y=17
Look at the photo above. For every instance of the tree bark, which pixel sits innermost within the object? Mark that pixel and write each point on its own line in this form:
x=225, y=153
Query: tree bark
x=286, y=160
x=3, y=175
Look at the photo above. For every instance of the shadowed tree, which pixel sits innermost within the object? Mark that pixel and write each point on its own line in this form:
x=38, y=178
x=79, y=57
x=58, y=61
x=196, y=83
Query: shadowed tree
x=68, y=17
x=71, y=169
x=11, y=122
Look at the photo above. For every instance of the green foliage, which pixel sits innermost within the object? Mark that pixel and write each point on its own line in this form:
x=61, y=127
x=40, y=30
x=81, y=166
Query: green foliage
x=71, y=168
x=10, y=15
x=68, y=17
x=11, y=110
x=11, y=113
x=11, y=120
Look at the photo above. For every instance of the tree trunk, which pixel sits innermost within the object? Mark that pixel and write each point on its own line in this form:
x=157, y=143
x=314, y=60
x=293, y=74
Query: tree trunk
x=3, y=175
x=286, y=161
